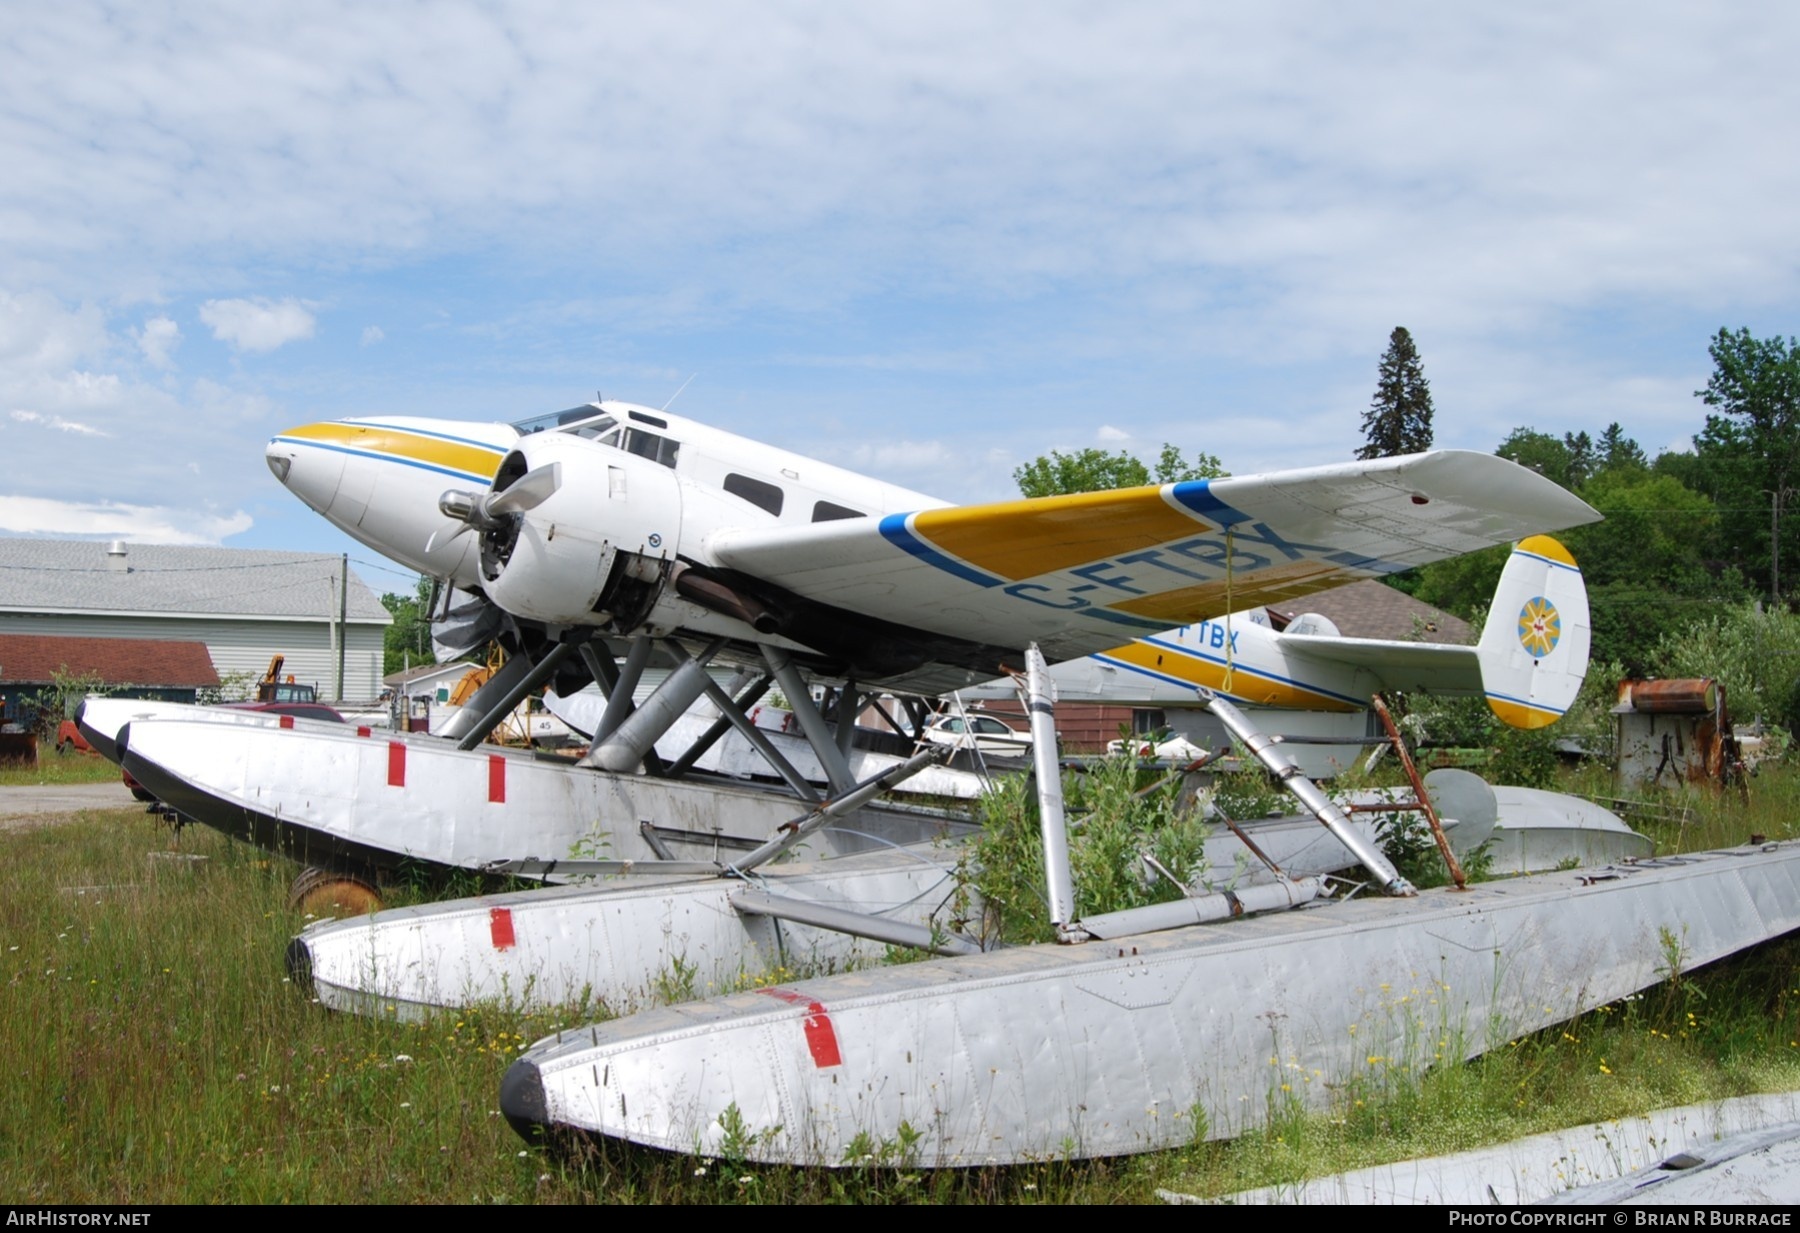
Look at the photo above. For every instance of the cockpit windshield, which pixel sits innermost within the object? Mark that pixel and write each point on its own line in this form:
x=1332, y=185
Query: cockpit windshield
x=586, y=419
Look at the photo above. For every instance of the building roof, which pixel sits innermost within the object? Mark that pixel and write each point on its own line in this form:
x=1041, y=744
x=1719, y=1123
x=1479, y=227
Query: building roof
x=56, y=575
x=419, y=672
x=1370, y=609
x=36, y=659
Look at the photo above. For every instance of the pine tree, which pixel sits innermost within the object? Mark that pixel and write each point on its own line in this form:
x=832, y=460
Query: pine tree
x=1398, y=421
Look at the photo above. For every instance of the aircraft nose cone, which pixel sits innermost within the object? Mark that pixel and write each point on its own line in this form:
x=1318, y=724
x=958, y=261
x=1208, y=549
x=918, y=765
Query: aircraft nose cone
x=522, y=1100
x=307, y=466
x=299, y=965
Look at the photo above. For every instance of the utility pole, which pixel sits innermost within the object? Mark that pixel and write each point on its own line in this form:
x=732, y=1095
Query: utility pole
x=343, y=612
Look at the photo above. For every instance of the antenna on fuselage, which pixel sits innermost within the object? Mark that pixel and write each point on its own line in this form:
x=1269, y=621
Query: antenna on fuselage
x=677, y=393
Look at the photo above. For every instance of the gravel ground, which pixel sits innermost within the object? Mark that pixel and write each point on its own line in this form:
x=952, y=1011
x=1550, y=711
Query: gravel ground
x=35, y=805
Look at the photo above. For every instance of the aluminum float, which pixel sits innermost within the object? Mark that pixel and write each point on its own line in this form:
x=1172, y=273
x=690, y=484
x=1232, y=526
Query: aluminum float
x=351, y=794
x=1144, y=1042
x=622, y=945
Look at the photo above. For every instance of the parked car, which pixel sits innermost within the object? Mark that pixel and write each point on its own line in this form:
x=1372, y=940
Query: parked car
x=982, y=732
x=69, y=739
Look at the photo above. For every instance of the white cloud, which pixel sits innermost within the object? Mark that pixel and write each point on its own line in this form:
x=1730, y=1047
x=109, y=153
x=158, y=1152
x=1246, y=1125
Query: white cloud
x=157, y=340
x=1341, y=157
x=371, y=335
x=1186, y=216
x=144, y=524
x=258, y=324
x=58, y=422
x=1109, y=435
x=104, y=441
x=37, y=334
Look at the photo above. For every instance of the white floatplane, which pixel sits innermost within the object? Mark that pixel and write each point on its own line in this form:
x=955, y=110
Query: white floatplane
x=610, y=534
x=615, y=530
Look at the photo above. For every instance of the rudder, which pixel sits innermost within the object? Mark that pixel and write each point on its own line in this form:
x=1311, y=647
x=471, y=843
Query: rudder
x=1534, y=648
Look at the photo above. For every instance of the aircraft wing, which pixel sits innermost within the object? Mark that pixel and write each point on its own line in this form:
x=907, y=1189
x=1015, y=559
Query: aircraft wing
x=1078, y=574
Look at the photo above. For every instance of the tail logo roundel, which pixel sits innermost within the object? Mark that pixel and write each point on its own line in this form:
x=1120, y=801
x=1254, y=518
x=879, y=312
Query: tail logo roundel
x=1540, y=626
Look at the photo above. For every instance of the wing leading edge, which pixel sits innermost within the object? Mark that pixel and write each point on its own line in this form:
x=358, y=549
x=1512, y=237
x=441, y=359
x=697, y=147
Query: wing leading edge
x=1074, y=573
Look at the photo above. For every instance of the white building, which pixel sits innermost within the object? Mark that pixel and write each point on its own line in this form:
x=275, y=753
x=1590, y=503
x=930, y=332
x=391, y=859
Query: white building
x=245, y=605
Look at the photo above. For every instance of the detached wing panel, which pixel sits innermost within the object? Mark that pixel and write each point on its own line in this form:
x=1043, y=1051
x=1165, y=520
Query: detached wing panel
x=1075, y=573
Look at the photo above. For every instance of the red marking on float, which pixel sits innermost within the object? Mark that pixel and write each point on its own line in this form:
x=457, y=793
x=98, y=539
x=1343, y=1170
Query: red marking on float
x=287, y=721
x=500, y=928
x=362, y=731
x=396, y=765
x=821, y=1038
x=497, y=779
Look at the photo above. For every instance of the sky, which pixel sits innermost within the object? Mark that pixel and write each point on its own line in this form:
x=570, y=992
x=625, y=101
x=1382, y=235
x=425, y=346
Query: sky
x=928, y=242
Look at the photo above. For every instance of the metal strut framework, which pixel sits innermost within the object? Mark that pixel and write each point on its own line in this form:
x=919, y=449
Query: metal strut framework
x=1268, y=751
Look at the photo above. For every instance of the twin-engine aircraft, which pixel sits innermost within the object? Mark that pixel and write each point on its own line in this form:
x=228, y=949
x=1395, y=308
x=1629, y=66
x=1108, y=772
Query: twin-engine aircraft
x=618, y=519
x=611, y=531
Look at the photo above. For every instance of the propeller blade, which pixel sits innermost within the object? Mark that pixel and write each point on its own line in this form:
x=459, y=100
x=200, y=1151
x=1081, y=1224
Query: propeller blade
x=531, y=491
x=432, y=542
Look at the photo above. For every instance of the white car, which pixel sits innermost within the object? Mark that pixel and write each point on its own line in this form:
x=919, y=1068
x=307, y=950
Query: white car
x=982, y=732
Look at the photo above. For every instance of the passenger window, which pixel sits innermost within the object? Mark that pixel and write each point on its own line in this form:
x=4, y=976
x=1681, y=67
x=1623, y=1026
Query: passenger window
x=649, y=445
x=825, y=511
x=762, y=495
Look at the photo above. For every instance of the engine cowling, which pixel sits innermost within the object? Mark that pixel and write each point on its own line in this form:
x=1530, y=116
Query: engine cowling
x=598, y=550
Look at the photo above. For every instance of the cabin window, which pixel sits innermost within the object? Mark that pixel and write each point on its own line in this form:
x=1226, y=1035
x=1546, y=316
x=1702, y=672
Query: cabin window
x=649, y=445
x=595, y=429
x=556, y=419
x=760, y=494
x=651, y=420
x=825, y=511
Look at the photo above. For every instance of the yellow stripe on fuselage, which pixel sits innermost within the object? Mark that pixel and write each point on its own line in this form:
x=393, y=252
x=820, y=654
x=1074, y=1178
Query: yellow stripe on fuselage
x=399, y=443
x=1245, y=685
x=1027, y=539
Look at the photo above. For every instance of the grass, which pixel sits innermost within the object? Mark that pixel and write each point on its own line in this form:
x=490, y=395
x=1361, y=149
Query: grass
x=53, y=768
x=158, y=1055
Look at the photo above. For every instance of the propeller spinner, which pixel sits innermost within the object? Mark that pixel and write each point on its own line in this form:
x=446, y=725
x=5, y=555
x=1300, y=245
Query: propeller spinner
x=484, y=511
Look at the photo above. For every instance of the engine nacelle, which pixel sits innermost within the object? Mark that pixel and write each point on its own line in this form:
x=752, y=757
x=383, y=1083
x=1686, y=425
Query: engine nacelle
x=597, y=548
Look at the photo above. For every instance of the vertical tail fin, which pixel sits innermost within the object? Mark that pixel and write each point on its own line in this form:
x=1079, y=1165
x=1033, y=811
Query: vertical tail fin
x=1534, y=648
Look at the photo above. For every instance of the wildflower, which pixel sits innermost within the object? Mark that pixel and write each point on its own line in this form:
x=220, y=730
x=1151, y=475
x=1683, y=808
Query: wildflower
x=402, y=1058
x=406, y=1104
x=522, y=1155
x=700, y=1172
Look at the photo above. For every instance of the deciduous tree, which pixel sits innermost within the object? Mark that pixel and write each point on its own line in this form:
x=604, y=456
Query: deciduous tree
x=1756, y=385
x=1095, y=470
